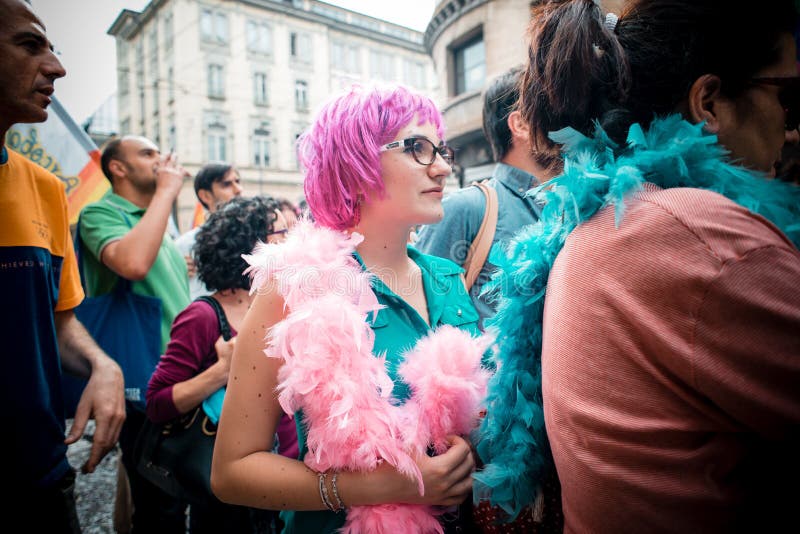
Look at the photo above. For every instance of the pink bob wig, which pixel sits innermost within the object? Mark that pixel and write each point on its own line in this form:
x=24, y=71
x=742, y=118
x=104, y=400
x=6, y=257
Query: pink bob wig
x=340, y=151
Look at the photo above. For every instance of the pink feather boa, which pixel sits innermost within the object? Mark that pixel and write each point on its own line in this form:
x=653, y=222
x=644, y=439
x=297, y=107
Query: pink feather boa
x=343, y=388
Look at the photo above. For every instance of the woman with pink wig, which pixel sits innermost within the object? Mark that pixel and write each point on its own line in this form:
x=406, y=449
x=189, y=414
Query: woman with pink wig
x=375, y=165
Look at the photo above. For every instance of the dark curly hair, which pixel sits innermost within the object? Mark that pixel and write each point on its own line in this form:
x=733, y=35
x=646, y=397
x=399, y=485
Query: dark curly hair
x=234, y=229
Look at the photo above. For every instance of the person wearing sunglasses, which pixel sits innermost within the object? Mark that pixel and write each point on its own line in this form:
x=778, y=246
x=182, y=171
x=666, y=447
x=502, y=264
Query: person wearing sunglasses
x=375, y=163
x=650, y=319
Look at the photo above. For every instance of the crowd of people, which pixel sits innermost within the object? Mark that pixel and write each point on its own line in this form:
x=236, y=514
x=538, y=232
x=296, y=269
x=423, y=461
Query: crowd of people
x=640, y=302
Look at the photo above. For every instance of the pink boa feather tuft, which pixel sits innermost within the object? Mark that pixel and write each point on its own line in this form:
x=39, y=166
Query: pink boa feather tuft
x=392, y=519
x=448, y=387
x=344, y=390
x=312, y=262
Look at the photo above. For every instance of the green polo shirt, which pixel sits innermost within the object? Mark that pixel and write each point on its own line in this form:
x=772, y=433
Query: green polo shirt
x=103, y=222
x=397, y=328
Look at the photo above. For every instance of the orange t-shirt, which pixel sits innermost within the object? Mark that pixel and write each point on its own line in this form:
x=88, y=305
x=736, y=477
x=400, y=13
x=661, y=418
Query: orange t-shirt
x=33, y=214
x=38, y=277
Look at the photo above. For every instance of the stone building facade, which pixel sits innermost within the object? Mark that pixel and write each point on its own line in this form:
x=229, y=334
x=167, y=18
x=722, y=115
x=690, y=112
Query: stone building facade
x=239, y=80
x=471, y=42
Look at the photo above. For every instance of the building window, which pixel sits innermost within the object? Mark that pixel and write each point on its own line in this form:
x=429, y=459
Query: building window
x=469, y=61
x=156, y=132
x=381, y=65
x=216, y=81
x=125, y=127
x=155, y=97
x=261, y=149
x=154, y=41
x=213, y=26
x=301, y=95
x=414, y=73
x=122, y=51
x=216, y=138
x=169, y=32
x=172, y=135
x=344, y=57
x=140, y=80
x=259, y=37
x=299, y=129
x=123, y=80
x=260, y=88
x=171, y=83
x=141, y=105
x=300, y=47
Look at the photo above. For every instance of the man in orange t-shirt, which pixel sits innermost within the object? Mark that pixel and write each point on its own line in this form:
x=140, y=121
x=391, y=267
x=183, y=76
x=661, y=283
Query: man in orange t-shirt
x=40, y=286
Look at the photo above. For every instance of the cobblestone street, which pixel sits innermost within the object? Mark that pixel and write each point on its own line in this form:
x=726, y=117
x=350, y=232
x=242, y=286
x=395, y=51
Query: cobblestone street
x=94, y=493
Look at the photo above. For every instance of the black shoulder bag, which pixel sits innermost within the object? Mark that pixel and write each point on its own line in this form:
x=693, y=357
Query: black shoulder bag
x=176, y=456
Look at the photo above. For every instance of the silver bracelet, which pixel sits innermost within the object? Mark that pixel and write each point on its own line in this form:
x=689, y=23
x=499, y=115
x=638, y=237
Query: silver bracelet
x=339, y=501
x=323, y=492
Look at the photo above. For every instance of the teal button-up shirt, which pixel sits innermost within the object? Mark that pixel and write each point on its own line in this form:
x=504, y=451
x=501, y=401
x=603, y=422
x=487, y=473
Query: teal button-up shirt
x=397, y=329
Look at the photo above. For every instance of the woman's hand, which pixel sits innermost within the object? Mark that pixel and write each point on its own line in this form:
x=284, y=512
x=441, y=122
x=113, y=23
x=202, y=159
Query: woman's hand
x=224, y=352
x=447, y=478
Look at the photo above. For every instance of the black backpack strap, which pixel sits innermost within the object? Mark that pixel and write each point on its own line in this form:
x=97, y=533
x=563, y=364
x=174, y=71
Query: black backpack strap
x=224, y=326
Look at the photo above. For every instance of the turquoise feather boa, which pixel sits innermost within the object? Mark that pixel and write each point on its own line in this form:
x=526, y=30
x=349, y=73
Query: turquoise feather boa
x=672, y=153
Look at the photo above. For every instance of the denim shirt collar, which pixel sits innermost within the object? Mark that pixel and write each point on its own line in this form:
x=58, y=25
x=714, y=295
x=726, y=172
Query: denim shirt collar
x=515, y=180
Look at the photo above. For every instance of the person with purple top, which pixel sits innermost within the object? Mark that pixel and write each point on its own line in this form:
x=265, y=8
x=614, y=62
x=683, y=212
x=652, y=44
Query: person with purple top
x=194, y=370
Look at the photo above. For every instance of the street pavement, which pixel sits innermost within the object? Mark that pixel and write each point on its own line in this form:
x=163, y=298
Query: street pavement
x=94, y=493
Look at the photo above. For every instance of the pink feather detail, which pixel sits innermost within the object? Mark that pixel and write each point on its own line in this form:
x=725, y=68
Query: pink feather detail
x=392, y=519
x=448, y=385
x=312, y=262
x=344, y=390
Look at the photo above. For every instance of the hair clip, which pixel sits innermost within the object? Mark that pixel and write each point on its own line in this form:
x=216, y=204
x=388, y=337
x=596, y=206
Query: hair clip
x=610, y=22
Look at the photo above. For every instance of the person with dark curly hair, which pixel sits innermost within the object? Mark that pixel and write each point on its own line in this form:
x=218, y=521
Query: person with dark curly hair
x=195, y=366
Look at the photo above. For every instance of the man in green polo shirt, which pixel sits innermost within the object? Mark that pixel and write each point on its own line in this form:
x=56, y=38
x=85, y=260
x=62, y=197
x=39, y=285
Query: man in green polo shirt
x=124, y=235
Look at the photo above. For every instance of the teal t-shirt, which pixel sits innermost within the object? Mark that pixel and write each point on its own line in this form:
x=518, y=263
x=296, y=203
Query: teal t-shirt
x=397, y=328
x=103, y=222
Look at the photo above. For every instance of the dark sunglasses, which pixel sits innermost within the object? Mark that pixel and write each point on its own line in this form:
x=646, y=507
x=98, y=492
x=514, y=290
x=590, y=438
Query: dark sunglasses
x=788, y=96
x=423, y=150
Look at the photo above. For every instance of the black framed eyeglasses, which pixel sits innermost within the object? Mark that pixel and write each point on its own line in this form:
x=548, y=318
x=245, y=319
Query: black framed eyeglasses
x=423, y=150
x=788, y=96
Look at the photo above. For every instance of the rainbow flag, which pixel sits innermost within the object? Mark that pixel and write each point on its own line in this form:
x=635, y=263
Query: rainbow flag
x=199, y=215
x=63, y=148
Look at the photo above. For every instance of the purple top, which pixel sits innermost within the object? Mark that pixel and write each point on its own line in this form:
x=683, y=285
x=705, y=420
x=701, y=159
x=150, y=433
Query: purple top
x=190, y=352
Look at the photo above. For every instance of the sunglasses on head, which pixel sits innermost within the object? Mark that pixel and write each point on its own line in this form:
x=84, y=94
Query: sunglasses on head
x=788, y=96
